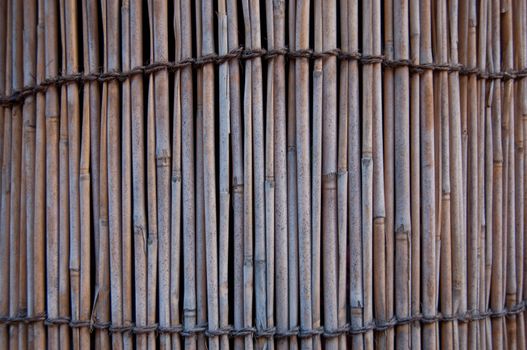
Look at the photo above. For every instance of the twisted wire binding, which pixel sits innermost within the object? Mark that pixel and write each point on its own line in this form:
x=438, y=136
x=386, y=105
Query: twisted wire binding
x=240, y=53
x=271, y=332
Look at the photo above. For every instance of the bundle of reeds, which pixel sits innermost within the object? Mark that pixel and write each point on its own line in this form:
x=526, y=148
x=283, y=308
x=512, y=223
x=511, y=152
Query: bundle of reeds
x=260, y=174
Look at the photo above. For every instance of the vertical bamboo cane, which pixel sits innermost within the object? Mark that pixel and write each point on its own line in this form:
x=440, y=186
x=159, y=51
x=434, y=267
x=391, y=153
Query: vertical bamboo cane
x=316, y=219
x=292, y=189
x=415, y=177
x=126, y=175
x=16, y=230
x=428, y=195
x=138, y=174
x=303, y=175
x=225, y=124
x=367, y=173
x=28, y=152
x=329, y=172
x=39, y=245
x=237, y=171
x=354, y=178
x=280, y=173
x=4, y=235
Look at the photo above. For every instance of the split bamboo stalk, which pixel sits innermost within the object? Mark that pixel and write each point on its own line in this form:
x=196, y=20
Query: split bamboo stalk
x=16, y=229
x=428, y=169
x=379, y=207
x=496, y=292
x=39, y=245
x=225, y=124
x=354, y=179
x=402, y=220
x=521, y=109
x=509, y=123
x=114, y=174
x=52, y=164
x=316, y=183
x=28, y=161
x=303, y=171
x=126, y=176
x=73, y=144
x=4, y=236
x=367, y=173
x=415, y=173
x=329, y=173
x=292, y=189
x=187, y=142
x=459, y=251
x=138, y=175
x=269, y=181
x=209, y=174
x=248, y=184
x=441, y=113
x=389, y=166
x=200, y=201
x=237, y=171
x=159, y=27
x=472, y=189
x=342, y=175
x=280, y=174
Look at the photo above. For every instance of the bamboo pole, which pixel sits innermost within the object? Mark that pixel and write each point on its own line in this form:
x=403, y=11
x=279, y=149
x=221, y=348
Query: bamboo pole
x=224, y=183
x=280, y=174
x=316, y=218
x=292, y=189
x=126, y=176
x=138, y=175
x=329, y=174
x=303, y=171
x=4, y=236
x=28, y=161
x=237, y=171
x=39, y=245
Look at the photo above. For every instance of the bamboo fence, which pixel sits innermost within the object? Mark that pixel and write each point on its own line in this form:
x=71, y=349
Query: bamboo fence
x=263, y=174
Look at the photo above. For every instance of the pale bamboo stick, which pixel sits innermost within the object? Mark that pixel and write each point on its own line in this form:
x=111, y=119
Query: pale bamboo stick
x=354, y=179
x=292, y=189
x=28, y=161
x=280, y=173
x=237, y=171
x=329, y=173
x=126, y=175
x=303, y=171
x=17, y=240
x=224, y=183
x=4, y=236
x=39, y=244
x=138, y=175
x=316, y=183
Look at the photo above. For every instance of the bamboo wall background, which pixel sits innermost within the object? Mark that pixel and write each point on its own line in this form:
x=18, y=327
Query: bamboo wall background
x=225, y=174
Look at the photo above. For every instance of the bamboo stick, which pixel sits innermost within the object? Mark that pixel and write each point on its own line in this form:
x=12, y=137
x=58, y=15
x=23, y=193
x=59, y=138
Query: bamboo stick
x=329, y=174
x=303, y=171
x=280, y=174
x=39, y=245
x=354, y=188
x=28, y=161
x=248, y=185
x=138, y=175
x=16, y=229
x=292, y=189
x=237, y=171
x=316, y=218
x=225, y=124
x=126, y=176
x=4, y=236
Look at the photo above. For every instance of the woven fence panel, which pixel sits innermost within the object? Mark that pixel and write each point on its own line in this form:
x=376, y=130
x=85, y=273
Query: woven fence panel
x=239, y=174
